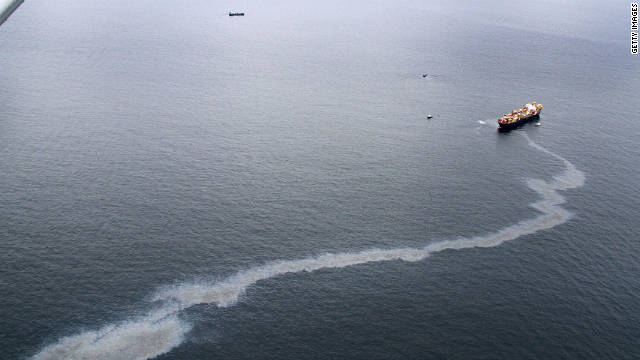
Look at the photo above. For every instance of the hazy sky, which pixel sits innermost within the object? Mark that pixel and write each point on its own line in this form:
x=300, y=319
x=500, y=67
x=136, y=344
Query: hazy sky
x=587, y=19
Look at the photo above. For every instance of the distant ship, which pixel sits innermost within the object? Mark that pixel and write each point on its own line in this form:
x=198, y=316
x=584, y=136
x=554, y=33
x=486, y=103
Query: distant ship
x=236, y=14
x=518, y=117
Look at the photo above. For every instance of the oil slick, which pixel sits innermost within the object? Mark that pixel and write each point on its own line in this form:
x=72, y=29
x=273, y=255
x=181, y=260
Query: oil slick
x=161, y=329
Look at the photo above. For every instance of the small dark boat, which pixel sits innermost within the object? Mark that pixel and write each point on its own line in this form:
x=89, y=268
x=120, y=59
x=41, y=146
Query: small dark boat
x=236, y=14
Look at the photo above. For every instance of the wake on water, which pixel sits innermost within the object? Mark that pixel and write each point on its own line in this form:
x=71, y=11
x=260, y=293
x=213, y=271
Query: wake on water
x=161, y=329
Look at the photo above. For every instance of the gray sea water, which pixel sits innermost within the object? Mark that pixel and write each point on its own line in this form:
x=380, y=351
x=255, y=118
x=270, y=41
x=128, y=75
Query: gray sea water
x=176, y=183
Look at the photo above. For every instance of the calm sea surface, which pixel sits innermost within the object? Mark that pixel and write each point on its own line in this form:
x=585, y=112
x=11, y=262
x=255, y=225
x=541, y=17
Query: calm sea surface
x=176, y=183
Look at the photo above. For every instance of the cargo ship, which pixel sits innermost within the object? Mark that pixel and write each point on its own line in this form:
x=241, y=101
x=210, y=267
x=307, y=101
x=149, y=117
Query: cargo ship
x=236, y=14
x=518, y=117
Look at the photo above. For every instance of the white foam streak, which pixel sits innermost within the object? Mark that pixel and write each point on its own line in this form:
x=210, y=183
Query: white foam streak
x=161, y=330
x=227, y=292
x=140, y=339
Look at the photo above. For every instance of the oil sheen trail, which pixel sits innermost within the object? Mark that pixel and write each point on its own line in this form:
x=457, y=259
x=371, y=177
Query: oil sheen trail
x=161, y=329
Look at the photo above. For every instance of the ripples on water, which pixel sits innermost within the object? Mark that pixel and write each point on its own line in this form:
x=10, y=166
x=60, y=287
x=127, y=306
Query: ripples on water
x=153, y=154
x=161, y=330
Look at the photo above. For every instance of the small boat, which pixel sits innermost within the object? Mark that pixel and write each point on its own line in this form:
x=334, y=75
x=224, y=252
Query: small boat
x=236, y=14
x=538, y=124
x=425, y=75
x=429, y=116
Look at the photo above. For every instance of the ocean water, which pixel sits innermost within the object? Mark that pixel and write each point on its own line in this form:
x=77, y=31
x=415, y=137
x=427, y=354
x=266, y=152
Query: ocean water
x=179, y=184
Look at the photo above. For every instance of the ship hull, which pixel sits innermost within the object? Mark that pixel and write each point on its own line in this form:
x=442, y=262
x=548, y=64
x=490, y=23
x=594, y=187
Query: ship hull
x=522, y=121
